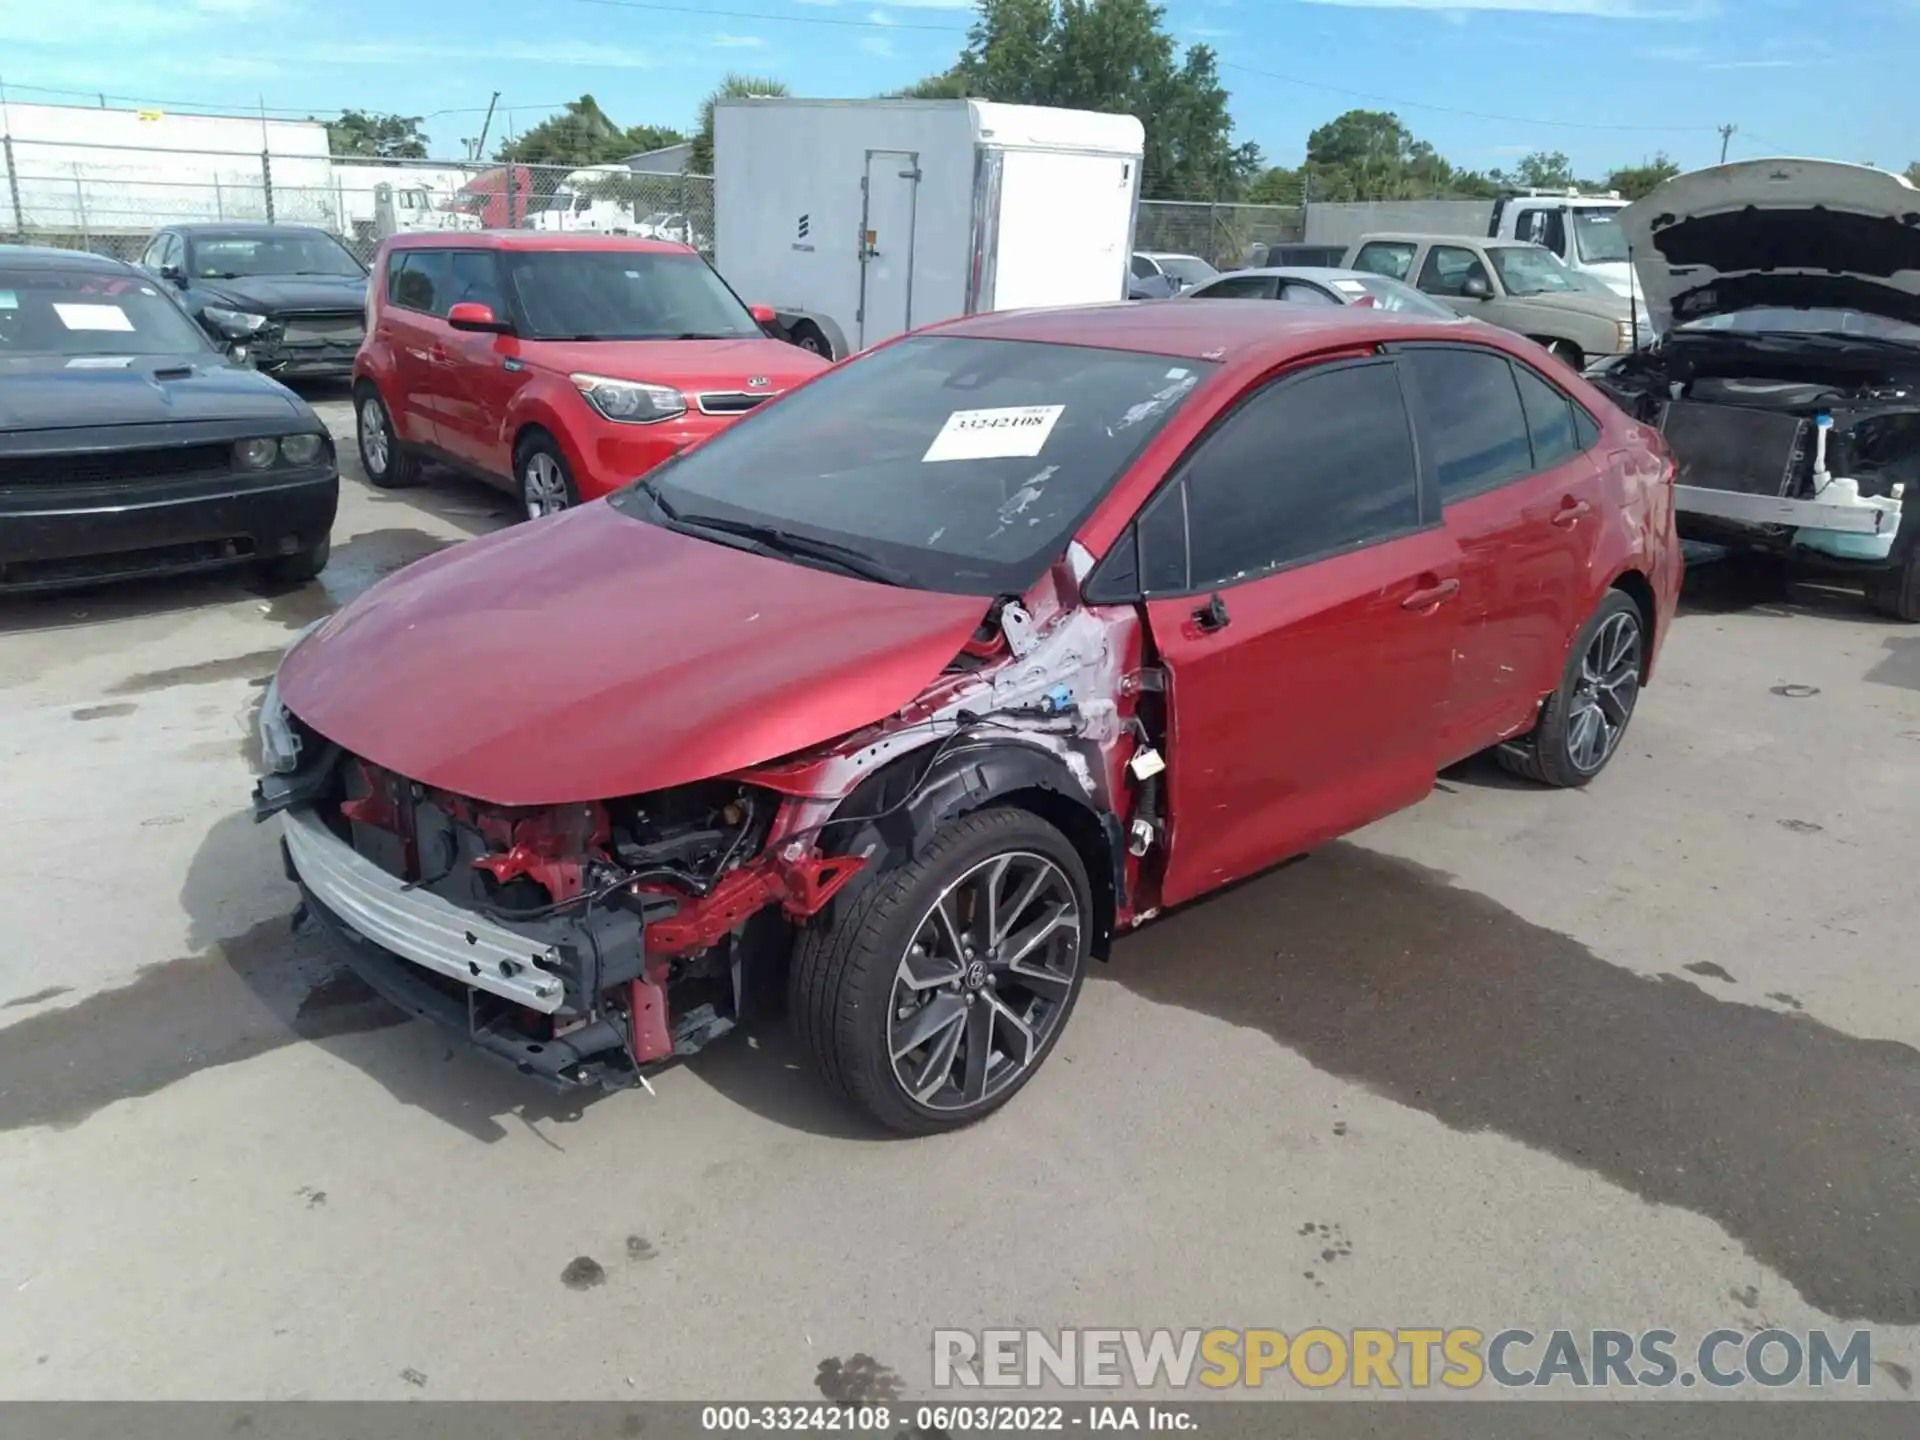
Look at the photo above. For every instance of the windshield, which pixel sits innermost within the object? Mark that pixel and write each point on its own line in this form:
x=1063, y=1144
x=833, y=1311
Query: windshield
x=291, y=252
x=1811, y=322
x=963, y=465
x=624, y=295
x=1377, y=292
x=92, y=314
x=1187, y=269
x=1597, y=237
x=1530, y=270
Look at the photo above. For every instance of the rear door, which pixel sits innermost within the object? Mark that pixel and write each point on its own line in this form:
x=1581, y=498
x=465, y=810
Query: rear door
x=1522, y=502
x=417, y=286
x=1297, y=585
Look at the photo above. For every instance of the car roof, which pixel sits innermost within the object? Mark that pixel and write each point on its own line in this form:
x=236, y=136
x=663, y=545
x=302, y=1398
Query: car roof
x=1421, y=237
x=532, y=240
x=1221, y=330
x=44, y=257
x=1303, y=272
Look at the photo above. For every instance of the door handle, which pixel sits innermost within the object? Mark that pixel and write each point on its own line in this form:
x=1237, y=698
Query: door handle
x=1430, y=597
x=1212, y=616
x=1570, y=512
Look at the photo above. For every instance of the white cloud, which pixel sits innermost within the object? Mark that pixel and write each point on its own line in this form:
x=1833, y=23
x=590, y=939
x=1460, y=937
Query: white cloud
x=736, y=42
x=879, y=17
x=877, y=45
x=1594, y=9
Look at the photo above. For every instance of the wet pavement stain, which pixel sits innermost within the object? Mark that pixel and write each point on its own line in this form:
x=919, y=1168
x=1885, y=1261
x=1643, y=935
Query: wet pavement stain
x=640, y=1248
x=583, y=1272
x=357, y=565
x=253, y=665
x=1901, y=668
x=1802, y=827
x=857, y=1380
x=1803, y=1143
x=245, y=997
x=1781, y=997
x=105, y=712
x=50, y=992
x=1710, y=971
x=1748, y=1296
x=414, y=1378
x=1901, y=1375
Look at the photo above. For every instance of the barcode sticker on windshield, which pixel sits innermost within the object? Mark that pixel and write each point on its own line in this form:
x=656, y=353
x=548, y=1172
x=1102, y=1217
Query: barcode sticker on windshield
x=1352, y=287
x=1011, y=430
x=94, y=317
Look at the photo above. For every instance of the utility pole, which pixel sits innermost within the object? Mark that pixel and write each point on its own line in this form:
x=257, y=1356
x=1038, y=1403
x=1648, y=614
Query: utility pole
x=1726, y=134
x=480, y=145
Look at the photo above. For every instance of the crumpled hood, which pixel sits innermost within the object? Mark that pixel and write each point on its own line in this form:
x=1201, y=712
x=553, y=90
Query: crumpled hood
x=61, y=392
x=283, y=294
x=1796, y=234
x=595, y=655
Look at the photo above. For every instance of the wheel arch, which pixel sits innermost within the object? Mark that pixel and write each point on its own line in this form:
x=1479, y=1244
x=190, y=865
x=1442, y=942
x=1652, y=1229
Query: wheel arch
x=1638, y=588
x=895, y=813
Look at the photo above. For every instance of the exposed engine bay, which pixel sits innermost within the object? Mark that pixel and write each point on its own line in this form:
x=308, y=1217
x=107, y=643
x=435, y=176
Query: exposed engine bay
x=589, y=943
x=1758, y=415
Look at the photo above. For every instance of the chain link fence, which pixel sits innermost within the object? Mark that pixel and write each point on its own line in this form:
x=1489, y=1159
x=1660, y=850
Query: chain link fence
x=1219, y=232
x=109, y=199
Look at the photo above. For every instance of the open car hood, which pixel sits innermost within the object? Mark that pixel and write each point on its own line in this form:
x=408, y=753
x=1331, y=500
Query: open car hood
x=596, y=655
x=1793, y=234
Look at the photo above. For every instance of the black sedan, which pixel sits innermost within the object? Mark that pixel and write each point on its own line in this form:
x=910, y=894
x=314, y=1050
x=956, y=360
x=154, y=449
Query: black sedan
x=130, y=444
x=292, y=297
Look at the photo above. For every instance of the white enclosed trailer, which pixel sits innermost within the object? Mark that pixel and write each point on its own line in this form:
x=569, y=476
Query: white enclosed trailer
x=861, y=219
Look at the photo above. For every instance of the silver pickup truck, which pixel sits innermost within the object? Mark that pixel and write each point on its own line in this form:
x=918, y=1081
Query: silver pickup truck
x=1510, y=283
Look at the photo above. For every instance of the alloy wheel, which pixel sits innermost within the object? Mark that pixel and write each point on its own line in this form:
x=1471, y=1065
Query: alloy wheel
x=542, y=485
x=375, y=448
x=984, y=982
x=1604, y=695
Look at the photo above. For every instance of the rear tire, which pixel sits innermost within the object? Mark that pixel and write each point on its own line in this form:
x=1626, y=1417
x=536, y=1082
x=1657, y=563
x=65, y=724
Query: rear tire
x=389, y=464
x=301, y=566
x=1895, y=591
x=864, y=985
x=1586, y=717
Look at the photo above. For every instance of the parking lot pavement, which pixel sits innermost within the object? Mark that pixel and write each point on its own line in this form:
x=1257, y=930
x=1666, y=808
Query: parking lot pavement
x=1637, y=1056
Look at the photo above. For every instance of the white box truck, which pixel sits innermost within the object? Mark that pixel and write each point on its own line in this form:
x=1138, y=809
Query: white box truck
x=857, y=220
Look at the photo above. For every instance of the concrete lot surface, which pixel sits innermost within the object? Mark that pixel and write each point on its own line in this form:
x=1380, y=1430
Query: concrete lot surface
x=1635, y=1057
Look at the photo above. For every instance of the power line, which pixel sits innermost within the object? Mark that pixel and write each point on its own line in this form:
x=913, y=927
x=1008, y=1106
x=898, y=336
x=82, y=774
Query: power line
x=1453, y=110
x=250, y=109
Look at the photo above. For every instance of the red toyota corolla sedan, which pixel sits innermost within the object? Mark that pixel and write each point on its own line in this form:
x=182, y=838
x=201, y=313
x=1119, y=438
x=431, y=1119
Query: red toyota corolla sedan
x=560, y=366
x=911, y=691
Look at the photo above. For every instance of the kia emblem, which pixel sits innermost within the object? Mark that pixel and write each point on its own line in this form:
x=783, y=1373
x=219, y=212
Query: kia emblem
x=758, y=382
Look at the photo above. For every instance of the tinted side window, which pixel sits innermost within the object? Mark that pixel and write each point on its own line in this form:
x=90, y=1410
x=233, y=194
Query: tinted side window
x=1549, y=420
x=1312, y=466
x=150, y=257
x=1144, y=268
x=1239, y=287
x=1391, y=258
x=424, y=282
x=1162, y=541
x=1586, y=429
x=1474, y=421
x=174, y=253
x=474, y=278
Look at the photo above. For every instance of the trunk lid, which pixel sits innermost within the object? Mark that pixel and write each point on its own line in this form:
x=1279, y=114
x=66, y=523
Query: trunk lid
x=1785, y=233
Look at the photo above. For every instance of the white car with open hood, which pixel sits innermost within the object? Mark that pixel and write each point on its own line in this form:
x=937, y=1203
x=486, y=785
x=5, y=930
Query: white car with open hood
x=1785, y=295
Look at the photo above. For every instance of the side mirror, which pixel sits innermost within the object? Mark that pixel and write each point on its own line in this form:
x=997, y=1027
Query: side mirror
x=174, y=274
x=1477, y=289
x=472, y=316
x=764, y=314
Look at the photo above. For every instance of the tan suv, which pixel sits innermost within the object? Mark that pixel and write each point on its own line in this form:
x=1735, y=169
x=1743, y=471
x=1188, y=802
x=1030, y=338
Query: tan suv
x=1512, y=284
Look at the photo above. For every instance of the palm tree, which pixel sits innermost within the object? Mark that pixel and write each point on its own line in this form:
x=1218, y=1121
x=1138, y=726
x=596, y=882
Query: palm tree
x=734, y=87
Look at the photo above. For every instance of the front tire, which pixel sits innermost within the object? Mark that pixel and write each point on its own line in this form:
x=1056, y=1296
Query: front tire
x=934, y=997
x=812, y=339
x=1585, y=719
x=546, y=484
x=1895, y=591
x=1568, y=354
x=302, y=565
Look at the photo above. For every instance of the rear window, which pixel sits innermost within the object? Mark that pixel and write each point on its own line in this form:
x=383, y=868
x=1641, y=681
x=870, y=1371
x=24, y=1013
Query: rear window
x=964, y=464
x=90, y=315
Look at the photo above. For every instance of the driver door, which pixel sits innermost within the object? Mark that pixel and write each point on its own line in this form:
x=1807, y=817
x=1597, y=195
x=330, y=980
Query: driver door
x=1299, y=589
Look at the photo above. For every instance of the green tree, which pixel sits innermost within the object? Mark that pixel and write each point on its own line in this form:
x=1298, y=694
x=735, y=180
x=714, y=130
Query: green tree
x=584, y=134
x=1542, y=170
x=1115, y=56
x=950, y=85
x=1634, y=181
x=733, y=87
x=1275, y=185
x=1372, y=155
x=375, y=136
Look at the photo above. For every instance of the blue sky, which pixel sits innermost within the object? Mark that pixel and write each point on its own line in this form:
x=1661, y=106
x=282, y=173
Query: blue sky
x=1607, y=81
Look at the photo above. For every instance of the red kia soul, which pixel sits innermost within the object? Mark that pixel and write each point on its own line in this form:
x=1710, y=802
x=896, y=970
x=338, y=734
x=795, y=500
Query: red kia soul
x=910, y=692
x=564, y=366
